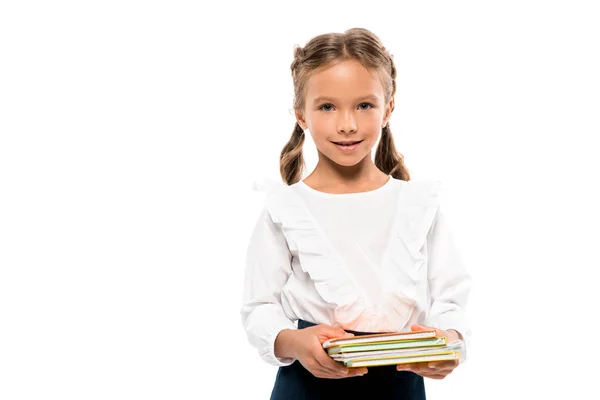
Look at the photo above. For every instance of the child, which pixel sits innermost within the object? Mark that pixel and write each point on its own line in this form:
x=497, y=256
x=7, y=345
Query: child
x=355, y=247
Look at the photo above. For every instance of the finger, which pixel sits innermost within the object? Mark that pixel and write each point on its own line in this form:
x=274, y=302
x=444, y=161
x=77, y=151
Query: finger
x=419, y=368
x=435, y=376
x=404, y=367
x=334, y=331
x=419, y=327
x=341, y=368
x=424, y=368
x=352, y=372
x=322, y=372
x=443, y=365
x=428, y=373
x=358, y=371
x=331, y=366
x=431, y=373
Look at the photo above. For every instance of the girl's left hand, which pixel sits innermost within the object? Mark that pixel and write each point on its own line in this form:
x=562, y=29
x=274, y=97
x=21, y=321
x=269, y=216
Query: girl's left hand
x=432, y=369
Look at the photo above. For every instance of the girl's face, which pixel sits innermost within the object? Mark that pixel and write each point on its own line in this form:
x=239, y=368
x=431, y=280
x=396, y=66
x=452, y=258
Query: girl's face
x=344, y=102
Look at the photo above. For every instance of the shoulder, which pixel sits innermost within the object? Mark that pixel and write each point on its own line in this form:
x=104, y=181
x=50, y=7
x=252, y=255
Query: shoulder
x=421, y=183
x=277, y=196
x=423, y=191
x=267, y=185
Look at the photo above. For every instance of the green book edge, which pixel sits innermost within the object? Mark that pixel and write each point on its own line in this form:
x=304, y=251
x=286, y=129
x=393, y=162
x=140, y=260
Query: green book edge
x=404, y=344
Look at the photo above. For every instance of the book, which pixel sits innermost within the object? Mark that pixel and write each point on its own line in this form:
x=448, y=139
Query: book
x=361, y=355
x=391, y=345
x=392, y=348
x=442, y=356
x=380, y=337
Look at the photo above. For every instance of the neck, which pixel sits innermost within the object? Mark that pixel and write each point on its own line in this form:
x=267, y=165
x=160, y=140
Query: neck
x=329, y=171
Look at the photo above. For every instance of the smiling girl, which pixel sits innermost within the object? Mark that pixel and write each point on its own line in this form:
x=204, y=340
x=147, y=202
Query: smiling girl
x=356, y=247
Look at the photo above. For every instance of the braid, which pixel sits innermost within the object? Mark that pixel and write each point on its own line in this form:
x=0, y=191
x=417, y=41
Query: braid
x=390, y=58
x=291, y=162
x=387, y=158
x=298, y=58
x=393, y=74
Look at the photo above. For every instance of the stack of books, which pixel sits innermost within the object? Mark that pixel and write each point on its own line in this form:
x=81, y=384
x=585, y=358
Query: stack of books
x=392, y=348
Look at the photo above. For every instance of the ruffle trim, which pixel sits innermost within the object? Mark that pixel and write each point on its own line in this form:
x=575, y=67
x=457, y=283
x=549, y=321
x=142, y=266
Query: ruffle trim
x=333, y=281
x=418, y=204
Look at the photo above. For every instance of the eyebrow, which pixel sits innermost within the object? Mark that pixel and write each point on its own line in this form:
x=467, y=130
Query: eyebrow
x=370, y=97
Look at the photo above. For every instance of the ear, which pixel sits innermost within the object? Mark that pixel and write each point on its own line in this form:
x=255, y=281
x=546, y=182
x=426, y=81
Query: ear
x=300, y=119
x=388, y=113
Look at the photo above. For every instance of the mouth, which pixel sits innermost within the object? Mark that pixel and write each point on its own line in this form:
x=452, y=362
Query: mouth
x=347, y=146
x=347, y=143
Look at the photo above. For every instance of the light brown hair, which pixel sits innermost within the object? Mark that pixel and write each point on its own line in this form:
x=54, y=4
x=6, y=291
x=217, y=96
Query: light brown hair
x=323, y=50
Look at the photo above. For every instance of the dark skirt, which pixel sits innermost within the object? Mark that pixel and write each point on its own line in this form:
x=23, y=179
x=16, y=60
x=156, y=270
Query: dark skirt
x=295, y=382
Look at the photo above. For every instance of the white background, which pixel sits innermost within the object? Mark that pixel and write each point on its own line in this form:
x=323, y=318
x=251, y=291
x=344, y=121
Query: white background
x=131, y=134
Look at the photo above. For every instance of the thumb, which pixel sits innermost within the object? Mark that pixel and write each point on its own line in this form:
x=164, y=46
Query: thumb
x=336, y=331
x=419, y=327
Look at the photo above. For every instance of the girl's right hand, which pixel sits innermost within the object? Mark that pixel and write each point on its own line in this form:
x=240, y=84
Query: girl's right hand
x=307, y=347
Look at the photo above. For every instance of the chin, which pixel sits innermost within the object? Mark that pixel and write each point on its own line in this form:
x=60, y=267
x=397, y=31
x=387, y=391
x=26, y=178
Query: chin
x=349, y=161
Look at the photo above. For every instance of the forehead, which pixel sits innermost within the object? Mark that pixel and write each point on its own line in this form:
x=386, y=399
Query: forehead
x=347, y=80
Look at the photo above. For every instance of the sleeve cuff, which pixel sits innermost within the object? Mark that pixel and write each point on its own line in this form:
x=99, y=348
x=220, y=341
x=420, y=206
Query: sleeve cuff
x=268, y=354
x=452, y=320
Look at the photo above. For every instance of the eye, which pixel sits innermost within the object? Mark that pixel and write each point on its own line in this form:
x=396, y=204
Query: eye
x=325, y=105
x=361, y=104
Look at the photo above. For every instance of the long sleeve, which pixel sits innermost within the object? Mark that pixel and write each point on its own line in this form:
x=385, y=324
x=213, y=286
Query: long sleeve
x=449, y=282
x=268, y=266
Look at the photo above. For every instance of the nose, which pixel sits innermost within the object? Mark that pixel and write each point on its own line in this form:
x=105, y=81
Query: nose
x=346, y=123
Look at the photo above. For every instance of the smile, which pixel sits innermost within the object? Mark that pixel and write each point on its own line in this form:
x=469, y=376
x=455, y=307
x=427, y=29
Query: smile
x=347, y=146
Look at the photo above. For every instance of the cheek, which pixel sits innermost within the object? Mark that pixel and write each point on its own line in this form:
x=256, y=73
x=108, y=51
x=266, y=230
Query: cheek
x=373, y=124
x=372, y=132
x=322, y=122
x=322, y=129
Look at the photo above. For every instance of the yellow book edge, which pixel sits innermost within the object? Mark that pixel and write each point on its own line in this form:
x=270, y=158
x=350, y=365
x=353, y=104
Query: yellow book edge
x=376, y=357
x=454, y=355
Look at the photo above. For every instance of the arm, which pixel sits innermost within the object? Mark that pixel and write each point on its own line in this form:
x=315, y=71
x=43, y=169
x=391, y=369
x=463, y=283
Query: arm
x=267, y=270
x=449, y=282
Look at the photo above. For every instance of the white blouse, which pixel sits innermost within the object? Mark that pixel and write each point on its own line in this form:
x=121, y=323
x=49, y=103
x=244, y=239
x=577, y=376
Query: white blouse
x=375, y=261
